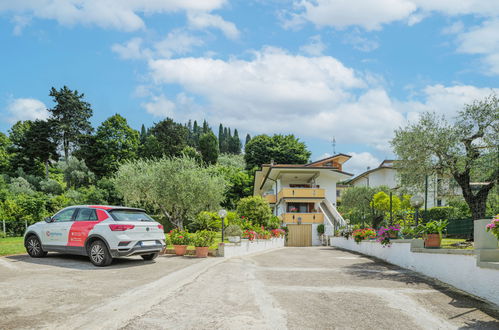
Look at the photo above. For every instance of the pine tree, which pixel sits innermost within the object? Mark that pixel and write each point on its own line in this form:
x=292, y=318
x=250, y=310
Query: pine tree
x=143, y=134
x=220, y=136
x=235, y=144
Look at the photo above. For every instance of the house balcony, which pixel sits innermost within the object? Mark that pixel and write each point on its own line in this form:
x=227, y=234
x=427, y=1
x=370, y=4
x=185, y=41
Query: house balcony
x=301, y=193
x=271, y=199
x=303, y=218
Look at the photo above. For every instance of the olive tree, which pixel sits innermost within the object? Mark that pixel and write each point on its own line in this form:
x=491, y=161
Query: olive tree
x=177, y=187
x=465, y=149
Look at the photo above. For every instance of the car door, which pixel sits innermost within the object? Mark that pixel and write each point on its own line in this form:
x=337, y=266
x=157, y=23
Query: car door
x=55, y=233
x=85, y=219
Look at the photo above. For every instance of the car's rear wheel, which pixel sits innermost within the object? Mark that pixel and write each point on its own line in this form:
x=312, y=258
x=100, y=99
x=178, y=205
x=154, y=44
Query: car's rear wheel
x=34, y=247
x=99, y=254
x=151, y=256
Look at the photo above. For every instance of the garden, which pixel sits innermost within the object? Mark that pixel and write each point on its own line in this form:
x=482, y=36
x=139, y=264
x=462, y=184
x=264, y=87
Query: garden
x=432, y=232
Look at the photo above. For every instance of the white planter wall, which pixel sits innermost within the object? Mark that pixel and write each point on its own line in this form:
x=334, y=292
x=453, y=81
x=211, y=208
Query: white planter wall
x=458, y=270
x=246, y=246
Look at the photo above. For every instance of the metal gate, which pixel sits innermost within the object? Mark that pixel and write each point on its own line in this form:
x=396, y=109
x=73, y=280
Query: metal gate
x=299, y=235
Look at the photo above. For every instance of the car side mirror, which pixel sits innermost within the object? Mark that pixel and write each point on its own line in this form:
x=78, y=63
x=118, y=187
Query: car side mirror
x=48, y=219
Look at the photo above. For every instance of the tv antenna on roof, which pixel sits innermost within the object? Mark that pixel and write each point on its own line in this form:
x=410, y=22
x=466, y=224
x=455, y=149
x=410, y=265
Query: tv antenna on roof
x=334, y=145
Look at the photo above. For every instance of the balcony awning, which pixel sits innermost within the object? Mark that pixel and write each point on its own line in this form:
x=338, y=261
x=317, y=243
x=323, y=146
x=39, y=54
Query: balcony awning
x=302, y=200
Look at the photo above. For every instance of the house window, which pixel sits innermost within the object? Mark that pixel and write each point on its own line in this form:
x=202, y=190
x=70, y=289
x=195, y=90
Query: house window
x=338, y=193
x=300, y=207
x=439, y=202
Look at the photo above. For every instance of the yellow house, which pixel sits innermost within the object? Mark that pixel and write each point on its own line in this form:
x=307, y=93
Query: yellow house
x=304, y=196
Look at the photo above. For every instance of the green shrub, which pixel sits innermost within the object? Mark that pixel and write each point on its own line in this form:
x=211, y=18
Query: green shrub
x=274, y=222
x=320, y=229
x=441, y=213
x=233, y=230
x=255, y=209
x=180, y=237
x=204, y=238
x=206, y=221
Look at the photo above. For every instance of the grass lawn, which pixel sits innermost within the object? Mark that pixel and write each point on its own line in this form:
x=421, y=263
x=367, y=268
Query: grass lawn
x=447, y=243
x=15, y=245
x=11, y=245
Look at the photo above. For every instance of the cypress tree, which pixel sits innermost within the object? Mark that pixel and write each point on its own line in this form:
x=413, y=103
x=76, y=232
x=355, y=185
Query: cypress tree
x=248, y=138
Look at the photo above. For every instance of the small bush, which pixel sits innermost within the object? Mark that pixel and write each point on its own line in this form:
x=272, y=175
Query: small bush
x=233, y=230
x=204, y=238
x=320, y=229
x=180, y=237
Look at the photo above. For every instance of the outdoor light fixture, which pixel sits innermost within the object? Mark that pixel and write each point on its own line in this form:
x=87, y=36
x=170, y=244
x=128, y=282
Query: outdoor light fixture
x=416, y=202
x=222, y=214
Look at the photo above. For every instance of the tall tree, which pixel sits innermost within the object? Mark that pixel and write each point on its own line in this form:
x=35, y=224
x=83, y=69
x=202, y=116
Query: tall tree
x=143, y=134
x=72, y=115
x=248, y=138
x=40, y=143
x=220, y=137
x=20, y=158
x=282, y=149
x=114, y=142
x=235, y=144
x=179, y=188
x=465, y=149
x=208, y=146
x=171, y=137
x=4, y=153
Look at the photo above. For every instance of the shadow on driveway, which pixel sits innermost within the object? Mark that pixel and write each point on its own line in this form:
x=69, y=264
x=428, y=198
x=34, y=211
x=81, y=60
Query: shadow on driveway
x=381, y=270
x=77, y=262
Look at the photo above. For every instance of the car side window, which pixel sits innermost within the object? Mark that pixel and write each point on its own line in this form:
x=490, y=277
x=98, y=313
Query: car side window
x=86, y=215
x=64, y=215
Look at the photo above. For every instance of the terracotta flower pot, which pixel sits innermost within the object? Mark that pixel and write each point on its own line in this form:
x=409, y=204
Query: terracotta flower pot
x=201, y=251
x=432, y=241
x=180, y=250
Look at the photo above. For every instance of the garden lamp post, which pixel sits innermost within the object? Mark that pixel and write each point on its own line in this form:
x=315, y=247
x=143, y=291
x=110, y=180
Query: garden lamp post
x=416, y=202
x=222, y=214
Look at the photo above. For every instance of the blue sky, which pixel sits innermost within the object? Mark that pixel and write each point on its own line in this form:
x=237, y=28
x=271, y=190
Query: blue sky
x=355, y=70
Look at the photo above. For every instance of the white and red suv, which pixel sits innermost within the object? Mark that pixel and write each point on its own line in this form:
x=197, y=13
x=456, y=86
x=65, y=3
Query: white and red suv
x=98, y=231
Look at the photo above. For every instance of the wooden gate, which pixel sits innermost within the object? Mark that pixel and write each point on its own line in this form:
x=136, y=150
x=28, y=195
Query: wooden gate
x=299, y=235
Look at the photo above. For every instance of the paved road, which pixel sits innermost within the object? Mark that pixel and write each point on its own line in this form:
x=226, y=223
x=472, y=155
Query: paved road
x=295, y=288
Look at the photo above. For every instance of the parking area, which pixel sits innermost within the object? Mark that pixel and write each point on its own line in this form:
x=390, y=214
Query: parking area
x=289, y=288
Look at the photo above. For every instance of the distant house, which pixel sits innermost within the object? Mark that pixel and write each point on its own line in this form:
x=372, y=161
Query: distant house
x=304, y=196
x=439, y=189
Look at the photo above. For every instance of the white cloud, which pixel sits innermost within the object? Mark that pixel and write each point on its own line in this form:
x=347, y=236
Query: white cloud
x=373, y=14
x=20, y=22
x=360, y=162
x=176, y=42
x=131, y=50
x=280, y=92
x=361, y=43
x=116, y=14
x=369, y=14
x=202, y=20
x=315, y=47
x=483, y=40
x=26, y=109
x=160, y=106
x=445, y=100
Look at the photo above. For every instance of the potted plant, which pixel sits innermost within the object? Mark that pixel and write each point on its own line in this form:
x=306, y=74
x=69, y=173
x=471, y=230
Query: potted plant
x=361, y=234
x=432, y=232
x=493, y=226
x=180, y=239
x=202, y=241
x=234, y=233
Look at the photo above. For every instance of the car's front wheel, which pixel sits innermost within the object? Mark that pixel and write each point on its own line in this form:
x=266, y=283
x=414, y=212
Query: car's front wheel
x=99, y=254
x=151, y=256
x=34, y=247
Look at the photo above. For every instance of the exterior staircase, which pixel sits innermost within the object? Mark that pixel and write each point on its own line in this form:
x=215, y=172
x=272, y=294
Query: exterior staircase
x=334, y=220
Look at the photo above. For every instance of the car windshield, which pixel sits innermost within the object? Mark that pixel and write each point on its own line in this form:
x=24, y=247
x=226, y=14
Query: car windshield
x=130, y=215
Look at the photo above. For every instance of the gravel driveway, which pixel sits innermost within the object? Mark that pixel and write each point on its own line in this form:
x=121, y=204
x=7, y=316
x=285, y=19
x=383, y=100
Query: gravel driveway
x=295, y=288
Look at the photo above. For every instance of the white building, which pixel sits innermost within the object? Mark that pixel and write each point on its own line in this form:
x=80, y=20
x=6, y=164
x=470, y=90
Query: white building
x=386, y=175
x=303, y=196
